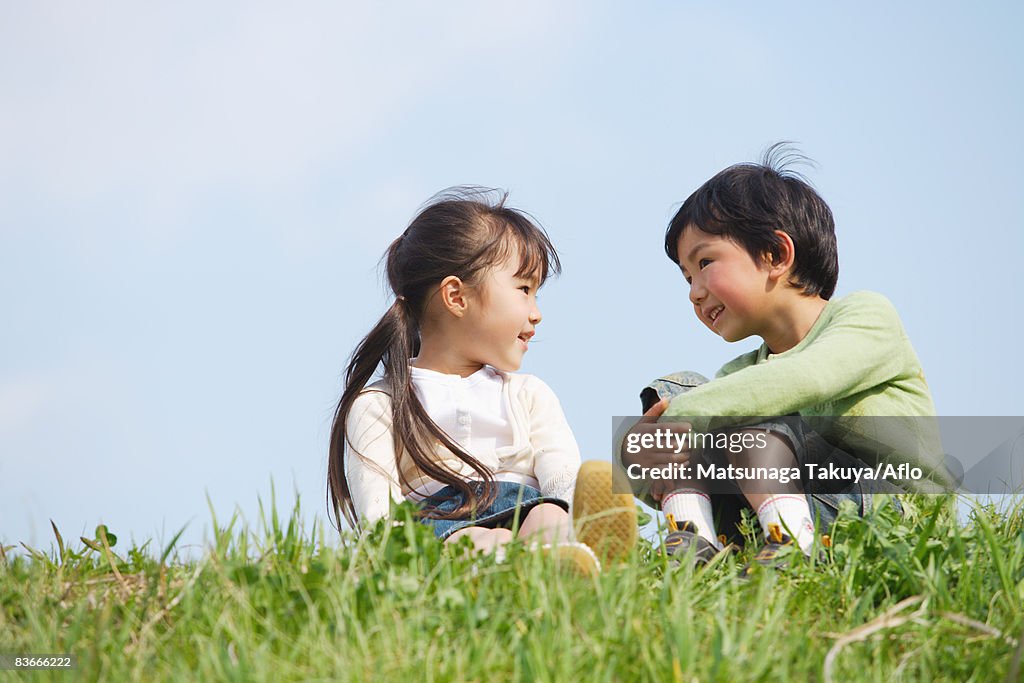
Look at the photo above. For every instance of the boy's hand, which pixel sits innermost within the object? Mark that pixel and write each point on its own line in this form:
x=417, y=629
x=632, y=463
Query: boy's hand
x=662, y=445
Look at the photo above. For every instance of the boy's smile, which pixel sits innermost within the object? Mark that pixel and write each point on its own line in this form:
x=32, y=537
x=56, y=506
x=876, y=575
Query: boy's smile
x=728, y=289
x=737, y=296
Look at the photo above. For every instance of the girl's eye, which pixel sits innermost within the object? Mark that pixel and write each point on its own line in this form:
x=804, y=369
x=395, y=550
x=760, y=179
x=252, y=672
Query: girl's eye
x=525, y=289
x=703, y=263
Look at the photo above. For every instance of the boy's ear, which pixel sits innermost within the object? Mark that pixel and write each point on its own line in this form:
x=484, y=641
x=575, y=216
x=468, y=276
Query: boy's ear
x=453, y=295
x=779, y=265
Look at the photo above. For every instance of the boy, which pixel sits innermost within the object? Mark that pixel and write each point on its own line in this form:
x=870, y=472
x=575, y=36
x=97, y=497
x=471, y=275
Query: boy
x=757, y=247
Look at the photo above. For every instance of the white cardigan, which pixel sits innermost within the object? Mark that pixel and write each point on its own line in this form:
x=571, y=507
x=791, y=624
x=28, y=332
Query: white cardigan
x=538, y=450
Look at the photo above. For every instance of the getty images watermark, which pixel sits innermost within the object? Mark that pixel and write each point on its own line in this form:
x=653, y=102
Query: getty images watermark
x=982, y=455
x=669, y=440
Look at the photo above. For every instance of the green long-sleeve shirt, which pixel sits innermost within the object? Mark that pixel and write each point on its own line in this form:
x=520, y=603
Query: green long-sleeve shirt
x=855, y=362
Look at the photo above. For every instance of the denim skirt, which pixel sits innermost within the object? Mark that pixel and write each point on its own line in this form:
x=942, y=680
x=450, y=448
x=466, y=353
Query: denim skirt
x=511, y=504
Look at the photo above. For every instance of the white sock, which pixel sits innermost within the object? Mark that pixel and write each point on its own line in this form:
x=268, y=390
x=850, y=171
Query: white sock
x=791, y=513
x=691, y=505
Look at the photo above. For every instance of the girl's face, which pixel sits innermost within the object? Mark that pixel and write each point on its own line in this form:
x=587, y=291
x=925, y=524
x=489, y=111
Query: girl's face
x=498, y=326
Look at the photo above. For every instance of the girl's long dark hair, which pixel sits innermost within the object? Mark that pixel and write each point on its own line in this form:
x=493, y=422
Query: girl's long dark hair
x=459, y=233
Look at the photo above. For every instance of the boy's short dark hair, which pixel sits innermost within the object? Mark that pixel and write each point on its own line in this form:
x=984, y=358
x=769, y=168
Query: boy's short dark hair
x=747, y=202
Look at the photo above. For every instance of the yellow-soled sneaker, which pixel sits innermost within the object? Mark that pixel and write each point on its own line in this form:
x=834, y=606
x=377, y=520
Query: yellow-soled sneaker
x=603, y=520
x=576, y=557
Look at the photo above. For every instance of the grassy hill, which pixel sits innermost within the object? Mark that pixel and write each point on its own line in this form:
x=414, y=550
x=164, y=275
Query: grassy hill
x=921, y=598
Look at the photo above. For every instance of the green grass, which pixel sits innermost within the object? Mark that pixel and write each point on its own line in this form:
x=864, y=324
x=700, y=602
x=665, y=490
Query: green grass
x=922, y=598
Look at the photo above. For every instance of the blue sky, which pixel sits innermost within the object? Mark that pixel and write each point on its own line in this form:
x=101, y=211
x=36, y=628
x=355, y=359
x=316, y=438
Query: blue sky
x=194, y=200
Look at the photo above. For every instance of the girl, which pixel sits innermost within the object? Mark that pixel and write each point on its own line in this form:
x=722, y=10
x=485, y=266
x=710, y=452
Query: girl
x=450, y=425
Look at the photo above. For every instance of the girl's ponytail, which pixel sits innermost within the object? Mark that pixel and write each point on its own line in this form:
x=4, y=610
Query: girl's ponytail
x=392, y=341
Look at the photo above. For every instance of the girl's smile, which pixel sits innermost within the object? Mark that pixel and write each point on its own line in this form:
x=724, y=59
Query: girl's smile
x=501, y=318
x=490, y=322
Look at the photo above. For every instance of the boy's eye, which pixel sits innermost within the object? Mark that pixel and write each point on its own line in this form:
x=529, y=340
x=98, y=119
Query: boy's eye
x=703, y=263
x=525, y=289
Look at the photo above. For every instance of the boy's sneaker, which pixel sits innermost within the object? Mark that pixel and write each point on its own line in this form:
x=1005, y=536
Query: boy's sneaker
x=682, y=538
x=604, y=521
x=774, y=554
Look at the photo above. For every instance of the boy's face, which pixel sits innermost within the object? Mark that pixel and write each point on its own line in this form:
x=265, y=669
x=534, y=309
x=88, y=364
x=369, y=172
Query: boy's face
x=730, y=291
